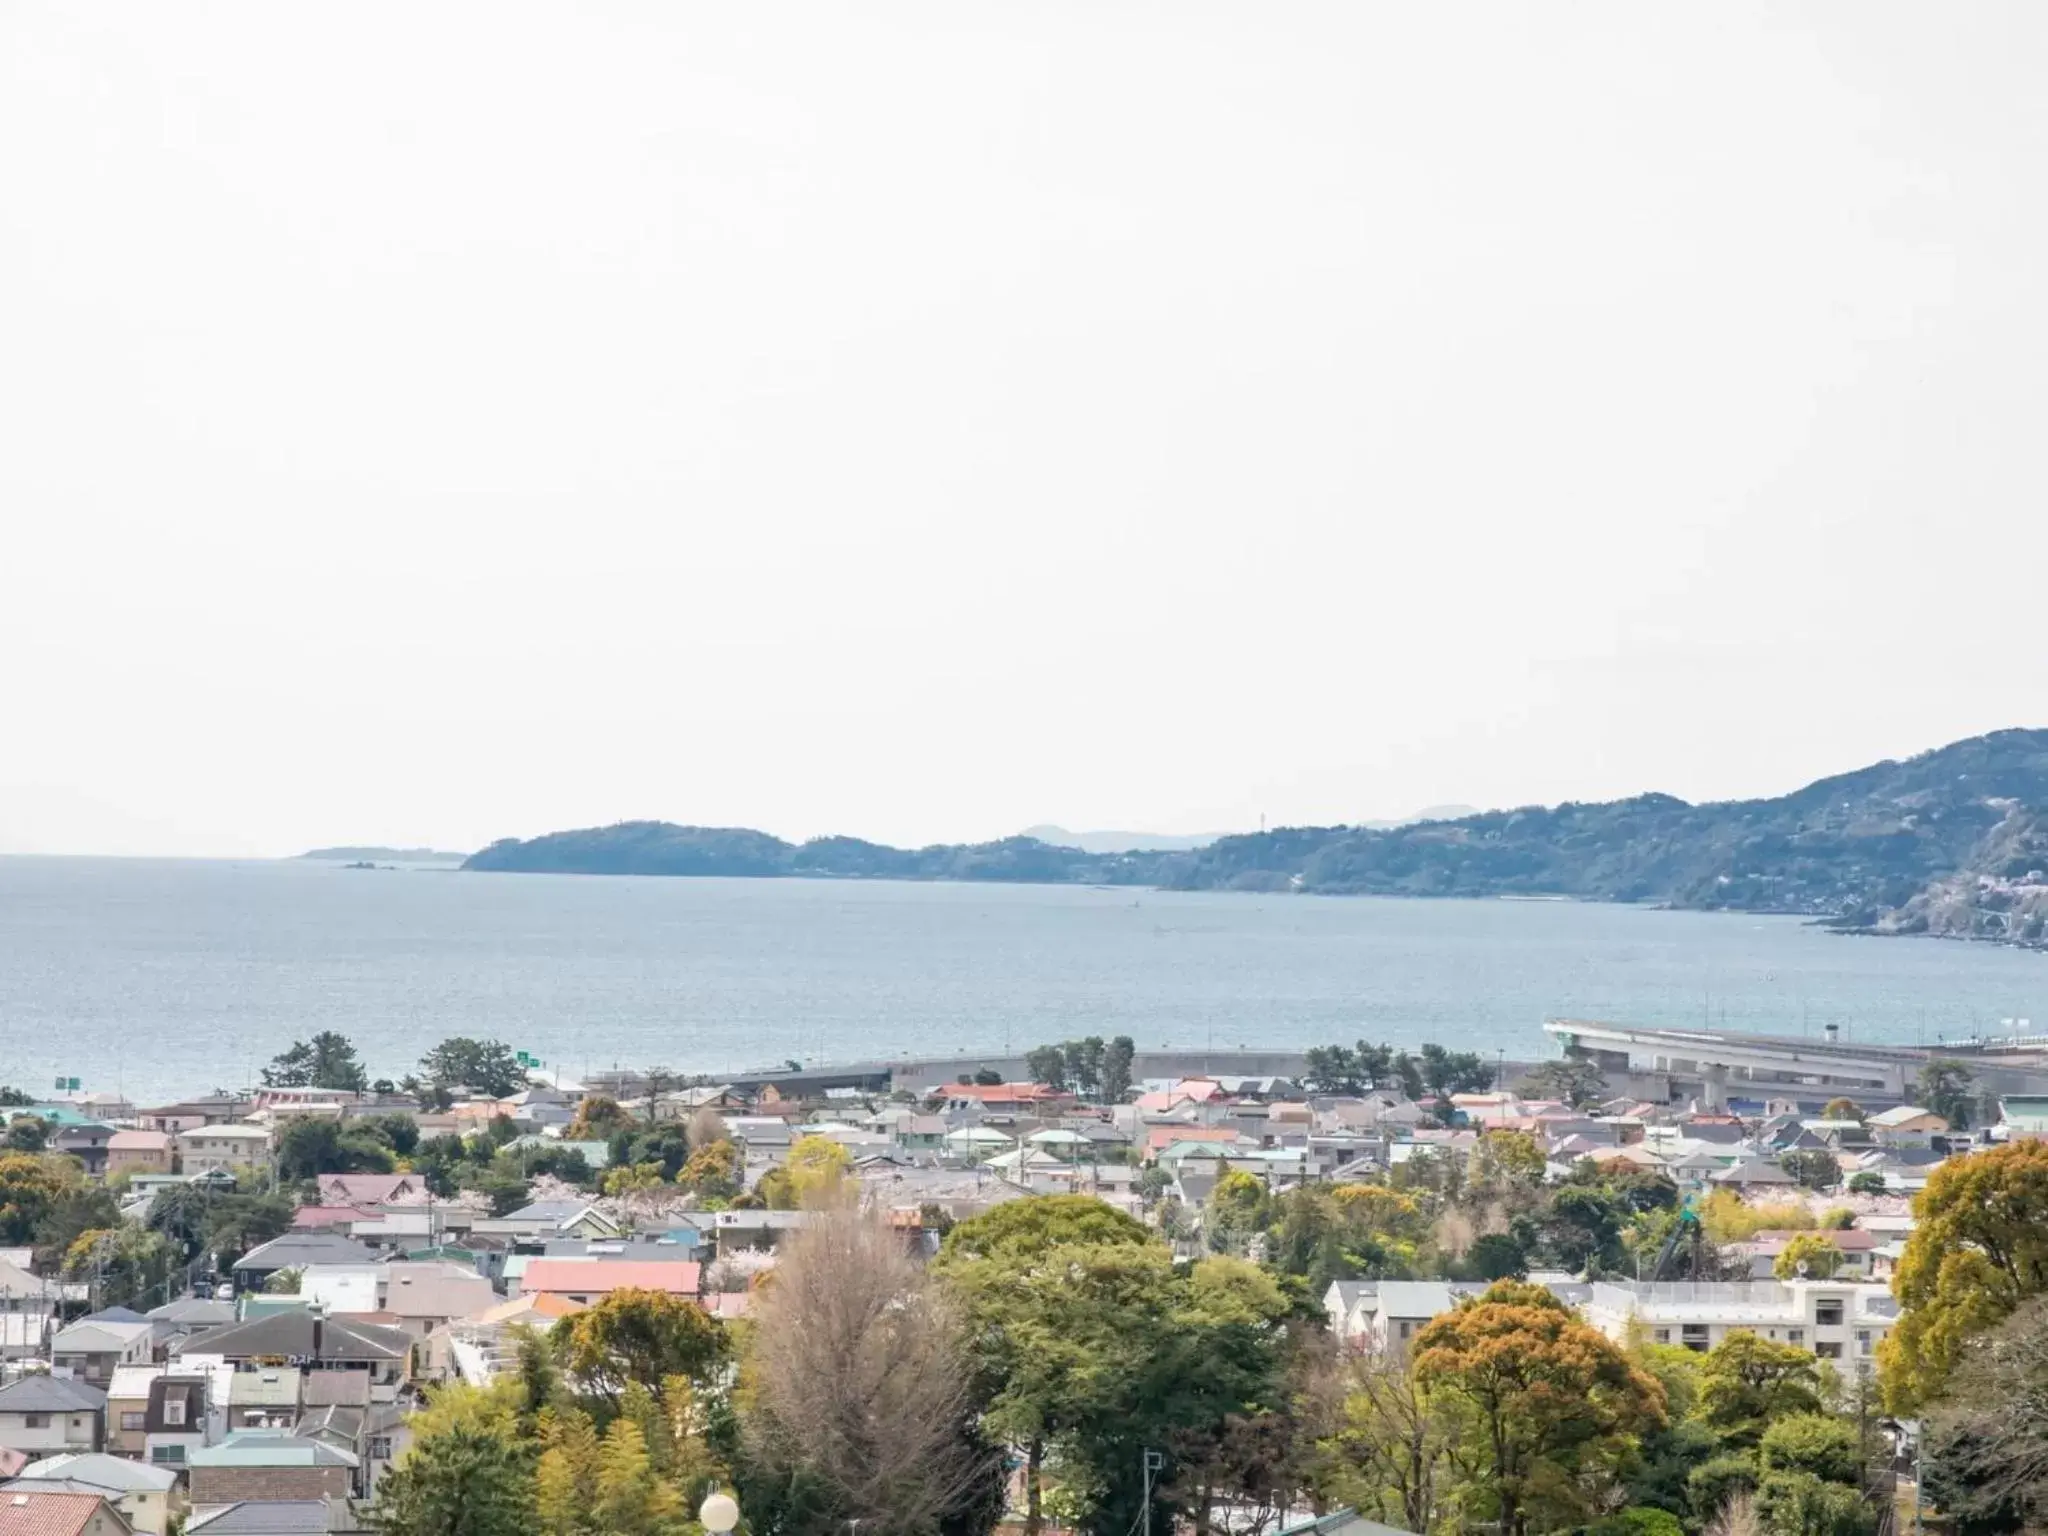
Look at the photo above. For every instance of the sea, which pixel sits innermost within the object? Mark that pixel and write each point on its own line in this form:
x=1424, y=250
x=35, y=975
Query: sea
x=159, y=977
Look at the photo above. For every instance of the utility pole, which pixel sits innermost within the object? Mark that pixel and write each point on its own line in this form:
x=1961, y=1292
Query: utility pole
x=1152, y=1461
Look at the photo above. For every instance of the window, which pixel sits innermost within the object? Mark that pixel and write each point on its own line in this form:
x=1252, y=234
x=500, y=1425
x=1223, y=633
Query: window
x=170, y=1453
x=130, y=1419
x=1862, y=1341
x=1693, y=1336
x=1828, y=1351
x=1663, y=1335
x=35, y=1421
x=1795, y=1335
x=1828, y=1314
x=380, y=1447
x=174, y=1410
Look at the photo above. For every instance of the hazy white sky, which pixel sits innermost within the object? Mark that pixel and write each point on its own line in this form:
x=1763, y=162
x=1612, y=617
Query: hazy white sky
x=433, y=423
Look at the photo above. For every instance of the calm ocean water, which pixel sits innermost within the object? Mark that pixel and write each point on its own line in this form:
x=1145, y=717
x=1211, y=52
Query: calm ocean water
x=161, y=977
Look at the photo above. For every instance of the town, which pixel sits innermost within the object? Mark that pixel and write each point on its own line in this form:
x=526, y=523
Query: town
x=1619, y=1290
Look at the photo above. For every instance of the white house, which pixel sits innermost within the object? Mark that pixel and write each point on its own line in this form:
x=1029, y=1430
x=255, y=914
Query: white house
x=223, y=1148
x=1837, y=1319
x=41, y=1414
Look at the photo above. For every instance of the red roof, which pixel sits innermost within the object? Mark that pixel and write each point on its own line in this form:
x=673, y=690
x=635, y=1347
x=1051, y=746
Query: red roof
x=595, y=1277
x=46, y=1514
x=1001, y=1093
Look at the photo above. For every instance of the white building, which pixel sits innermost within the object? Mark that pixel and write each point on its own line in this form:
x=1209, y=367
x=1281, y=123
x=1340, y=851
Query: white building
x=223, y=1148
x=1838, y=1320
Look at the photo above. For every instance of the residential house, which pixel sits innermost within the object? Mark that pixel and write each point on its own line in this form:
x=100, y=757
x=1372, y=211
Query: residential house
x=2023, y=1117
x=545, y=1220
x=90, y=1349
x=343, y=1290
x=270, y=1464
x=298, y=1250
x=42, y=1413
x=589, y=1280
x=754, y=1229
x=128, y=1408
x=28, y=1311
x=1756, y=1174
x=1907, y=1125
x=229, y=1149
x=265, y=1398
x=180, y=1319
x=175, y=1424
x=423, y=1297
x=1856, y=1247
x=147, y=1497
x=278, y=1517
x=140, y=1152
x=39, y=1513
x=190, y=1114
x=1839, y=1320
x=1350, y=1304
x=86, y=1142
x=316, y=1343
x=371, y=1189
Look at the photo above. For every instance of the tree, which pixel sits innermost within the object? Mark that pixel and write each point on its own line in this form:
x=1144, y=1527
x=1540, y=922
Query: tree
x=328, y=1060
x=1117, y=1059
x=468, y=1471
x=820, y=1171
x=1084, y=1065
x=14, y=1098
x=1809, y=1256
x=1551, y=1403
x=1842, y=1109
x=1047, y=1064
x=309, y=1147
x=636, y=1336
x=25, y=1133
x=1332, y=1069
x=1944, y=1087
x=986, y=1077
x=29, y=1186
x=1746, y=1382
x=1867, y=1182
x=1979, y=1250
x=488, y=1067
x=714, y=1172
x=1238, y=1210
x=598, y=1118
x=1986, y=1451
x=861, y=1382
x=707, y=1127
x=1447, y=1072
x=1800, y=1504
x=1507, y=1158
x=1813, y=1168
x=1575, y=1080
x=1817, y=1443
x=1391, y=1458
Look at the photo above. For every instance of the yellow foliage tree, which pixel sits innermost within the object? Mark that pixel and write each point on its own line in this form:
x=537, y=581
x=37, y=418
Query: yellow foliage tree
x=1728, y=1219
x=1808, y=1256
x=1980, y=1249
x=820, y=1171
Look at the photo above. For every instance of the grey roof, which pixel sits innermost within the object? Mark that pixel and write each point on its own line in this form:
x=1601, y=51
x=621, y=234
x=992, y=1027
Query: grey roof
x=1342, y=1522
x=1414, y=1298
x=97, y=1470
x=302, y=1334
x=113, y=1315
x=266, y=1517
x=321, y=1389
x=295, y=1250
x=43, y=1393
x=1758, y=1172
x=269, y=1448
x=192, y=1310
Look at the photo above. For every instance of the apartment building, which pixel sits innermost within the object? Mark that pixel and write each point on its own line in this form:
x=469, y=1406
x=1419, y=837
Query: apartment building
x=1839, y=1320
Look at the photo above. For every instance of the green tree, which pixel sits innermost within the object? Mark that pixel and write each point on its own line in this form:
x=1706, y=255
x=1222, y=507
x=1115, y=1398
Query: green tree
x=1817, y=1443
x=309, y=1147
x=1574, y=1080
x=635, y=1336
x=399, y=1132
x=1117, y=1059
x=328, y=1060
x=598, y=1118
x=714, y=1171
x=1813, y=1168
x=1746, y=1382
x=1332, y=1069
x=1867, y=1182
x=1979, y=1250
x=1944, y=1087
x=1842, y=1109
x=25, y=1133
x=468, y=1471
x=1447, y=1072
x=1239, y=1208
x=1551, y=1404
x=14, y=1098
x=1047, y=1064
x=1800, y=1504
x=488, y=1067
x=1084, y=1065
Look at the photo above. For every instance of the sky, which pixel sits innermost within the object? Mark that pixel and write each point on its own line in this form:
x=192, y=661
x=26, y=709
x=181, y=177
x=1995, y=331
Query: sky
x=429, y=424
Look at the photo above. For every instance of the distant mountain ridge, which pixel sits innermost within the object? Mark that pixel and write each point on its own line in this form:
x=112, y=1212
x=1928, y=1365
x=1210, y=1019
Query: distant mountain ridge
x=1170, y=842
x=1881, y=848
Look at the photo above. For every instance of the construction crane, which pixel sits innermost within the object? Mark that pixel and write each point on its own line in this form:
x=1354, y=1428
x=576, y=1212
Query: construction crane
x=1686, y=1232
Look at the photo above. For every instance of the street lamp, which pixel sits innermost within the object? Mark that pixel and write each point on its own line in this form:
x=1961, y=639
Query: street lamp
x=719, y=1513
